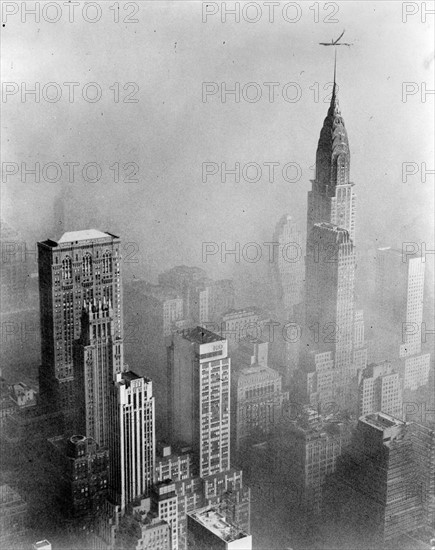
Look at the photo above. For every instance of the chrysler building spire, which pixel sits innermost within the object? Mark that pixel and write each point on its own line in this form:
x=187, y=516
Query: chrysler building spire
x=333, y=155
x=332, y=199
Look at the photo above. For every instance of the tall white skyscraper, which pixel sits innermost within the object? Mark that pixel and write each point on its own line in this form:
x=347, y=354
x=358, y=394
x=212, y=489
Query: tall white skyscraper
x=399, y=294
x=132, y=438
x=199, y=388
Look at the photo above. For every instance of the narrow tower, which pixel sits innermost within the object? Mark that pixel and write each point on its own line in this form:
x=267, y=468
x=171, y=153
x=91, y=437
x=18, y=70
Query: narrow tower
x=332, y=197
x=328, y=366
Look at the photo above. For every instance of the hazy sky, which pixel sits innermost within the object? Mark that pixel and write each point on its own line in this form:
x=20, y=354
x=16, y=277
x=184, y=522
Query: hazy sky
x=170, y=132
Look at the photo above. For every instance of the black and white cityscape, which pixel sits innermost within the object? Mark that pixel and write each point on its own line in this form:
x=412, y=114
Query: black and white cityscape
x=217, y=276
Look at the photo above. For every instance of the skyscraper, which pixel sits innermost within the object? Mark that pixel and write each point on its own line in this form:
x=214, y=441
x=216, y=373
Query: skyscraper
x=132, y=438
x=94, y=363
x=328, y=367
x=81, y=467
x=199, y=416
x=332, y=198
x=199, y=372
x=384, y=486
x=204, y=300
x=288, y=264
x=187, y=281
x=82, y=266
x=399, y=293
x=256, y=404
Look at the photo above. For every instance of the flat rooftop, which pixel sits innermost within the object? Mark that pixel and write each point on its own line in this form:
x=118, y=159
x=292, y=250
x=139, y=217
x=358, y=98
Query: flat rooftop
x=200, y=335
x=381, y=420
x=128, y=376
x=217, y=524
x=403, y=255
x=265, y=372
x=242, y=311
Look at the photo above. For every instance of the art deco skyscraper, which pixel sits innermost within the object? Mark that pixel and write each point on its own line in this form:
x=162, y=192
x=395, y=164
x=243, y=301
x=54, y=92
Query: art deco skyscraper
x=81, y=267
x=132, y=449
x=328, y=365
x=332, y=197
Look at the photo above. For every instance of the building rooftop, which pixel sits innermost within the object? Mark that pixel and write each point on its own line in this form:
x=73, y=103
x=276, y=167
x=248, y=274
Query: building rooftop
x=83, y=235
x=242, y=311
x=378, y=369
x=127, y=376
x=402, y=255
x=259, y=370
x=71, y=237
x=382, y=420
x=200, y=335
x=217, y=524
x=130, y=375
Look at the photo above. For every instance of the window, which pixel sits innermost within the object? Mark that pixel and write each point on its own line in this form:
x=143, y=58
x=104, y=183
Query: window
x=107, y=263
x=66, y=268
x=87, y=265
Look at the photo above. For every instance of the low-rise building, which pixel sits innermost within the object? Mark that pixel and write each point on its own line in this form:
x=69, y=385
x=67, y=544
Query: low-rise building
x=41, y=545
x=173, y=463
x=23, y=395
x=208, y=528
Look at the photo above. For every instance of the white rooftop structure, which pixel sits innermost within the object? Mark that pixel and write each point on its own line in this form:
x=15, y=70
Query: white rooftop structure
x=215, y=523
x=82, y=235
x=41, y=545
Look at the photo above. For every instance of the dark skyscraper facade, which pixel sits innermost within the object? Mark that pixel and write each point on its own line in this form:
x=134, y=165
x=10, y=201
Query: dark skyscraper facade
x=81, y=267
x=94, y=361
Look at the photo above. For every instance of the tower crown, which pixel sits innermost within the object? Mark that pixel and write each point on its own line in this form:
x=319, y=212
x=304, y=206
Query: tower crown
x=333, y=155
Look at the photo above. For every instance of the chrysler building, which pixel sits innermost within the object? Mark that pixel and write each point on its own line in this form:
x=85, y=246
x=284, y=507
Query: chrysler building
x=330, y=357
